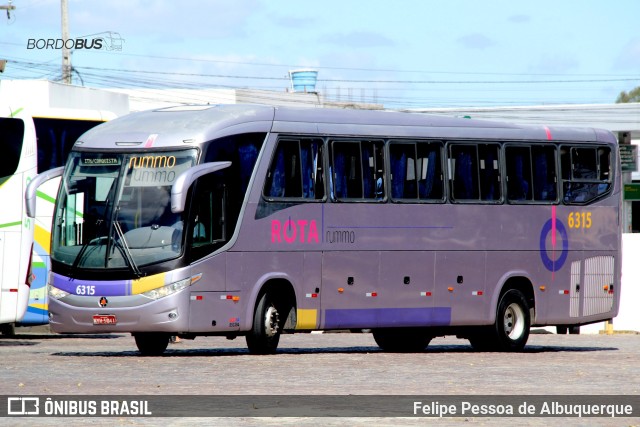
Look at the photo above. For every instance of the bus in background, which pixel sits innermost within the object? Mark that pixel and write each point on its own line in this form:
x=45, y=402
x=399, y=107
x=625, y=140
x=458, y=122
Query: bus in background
x=253, y=221
x=17, y=167
x=56, y=130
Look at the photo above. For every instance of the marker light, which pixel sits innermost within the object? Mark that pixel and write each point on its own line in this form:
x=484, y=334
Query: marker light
x=168, y=289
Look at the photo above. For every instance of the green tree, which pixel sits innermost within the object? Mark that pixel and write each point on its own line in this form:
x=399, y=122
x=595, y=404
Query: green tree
x=632, y=96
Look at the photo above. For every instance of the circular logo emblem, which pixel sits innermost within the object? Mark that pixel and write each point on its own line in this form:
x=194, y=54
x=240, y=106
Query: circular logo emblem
x=103, y=302
x=554, y=262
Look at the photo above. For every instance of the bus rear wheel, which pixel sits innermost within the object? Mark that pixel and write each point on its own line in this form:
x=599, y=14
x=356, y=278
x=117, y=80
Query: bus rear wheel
x=511, y=329
x=401, y=340
x=267, y=327
x=562, y=330
x=152, y=344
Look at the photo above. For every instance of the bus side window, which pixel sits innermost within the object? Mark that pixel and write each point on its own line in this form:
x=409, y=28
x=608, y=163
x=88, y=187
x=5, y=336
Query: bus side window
x=358, y=171
x=490, y=183
x=463, y=161
x=296, y=170
x=429, y=171
x=545, y=180
x=402, y=160
x=312, y=169
x=586, y=173
x=519, y=180
x=416, y=171
x=208, y=223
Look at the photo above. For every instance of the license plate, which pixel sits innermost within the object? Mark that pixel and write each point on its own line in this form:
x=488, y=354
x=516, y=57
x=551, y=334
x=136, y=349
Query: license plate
x=105, y=319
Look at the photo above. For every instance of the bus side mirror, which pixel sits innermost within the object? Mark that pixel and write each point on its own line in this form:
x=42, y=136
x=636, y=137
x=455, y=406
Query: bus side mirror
x=180, y=188
x=32, y=188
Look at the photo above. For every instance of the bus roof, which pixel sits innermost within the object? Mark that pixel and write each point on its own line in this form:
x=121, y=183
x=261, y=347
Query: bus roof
x=193, y=124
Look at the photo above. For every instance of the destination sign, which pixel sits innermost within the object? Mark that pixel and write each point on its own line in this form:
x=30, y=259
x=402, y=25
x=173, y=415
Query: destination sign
x=99, y=161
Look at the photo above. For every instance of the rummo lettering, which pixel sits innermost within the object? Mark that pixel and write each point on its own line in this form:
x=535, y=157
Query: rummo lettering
x=152, y=162
x=57, y=44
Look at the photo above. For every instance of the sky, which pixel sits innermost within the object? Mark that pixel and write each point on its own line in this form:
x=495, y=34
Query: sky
x=402, y=54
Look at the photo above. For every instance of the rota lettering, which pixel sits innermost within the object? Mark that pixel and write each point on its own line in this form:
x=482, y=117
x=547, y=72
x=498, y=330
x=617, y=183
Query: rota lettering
x=290, y=231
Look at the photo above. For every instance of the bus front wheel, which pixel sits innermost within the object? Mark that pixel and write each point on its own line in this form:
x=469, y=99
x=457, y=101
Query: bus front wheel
x=8, y=329
x=265, y=334
x=511, y=329
x=152, y=344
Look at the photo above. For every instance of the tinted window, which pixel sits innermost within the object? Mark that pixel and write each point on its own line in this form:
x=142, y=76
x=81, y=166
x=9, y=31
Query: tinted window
x=357, y=170
x=586, y=173
x=296, y=170
x=219, y=196
x=519, y=176
x=531, y=173
x=545, y=181
x=463, y=167
x=490, y=183
x=55, y=139
x=11, y=138
x=416, y=171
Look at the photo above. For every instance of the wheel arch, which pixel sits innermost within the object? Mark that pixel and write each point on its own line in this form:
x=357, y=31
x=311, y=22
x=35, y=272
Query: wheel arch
x=280, y=287
x=519, y=280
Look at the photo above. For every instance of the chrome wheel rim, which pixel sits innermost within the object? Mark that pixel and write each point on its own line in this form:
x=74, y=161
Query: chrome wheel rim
x=513, y=321
x=271, y=322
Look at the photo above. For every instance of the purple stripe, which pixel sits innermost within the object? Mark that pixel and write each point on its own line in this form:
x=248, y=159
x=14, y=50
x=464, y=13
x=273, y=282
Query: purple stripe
x=387, y=317
x=99, y=288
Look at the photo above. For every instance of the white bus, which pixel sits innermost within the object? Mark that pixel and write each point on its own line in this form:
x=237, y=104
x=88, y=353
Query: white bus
x=18, y=164
x=56, y=130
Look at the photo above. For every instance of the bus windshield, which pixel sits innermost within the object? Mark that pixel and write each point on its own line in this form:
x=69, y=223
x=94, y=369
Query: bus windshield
x=115, y=210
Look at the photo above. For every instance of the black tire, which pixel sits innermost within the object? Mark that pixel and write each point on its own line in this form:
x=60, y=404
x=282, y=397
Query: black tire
x=511, y=329
x=8, y=329
x=402, y=340
x=561, y=330
x=152, y=344
x=267, y=327
x=574, y=330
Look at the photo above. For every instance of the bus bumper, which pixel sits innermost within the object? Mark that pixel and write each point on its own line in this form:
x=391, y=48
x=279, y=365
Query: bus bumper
x=168, y=314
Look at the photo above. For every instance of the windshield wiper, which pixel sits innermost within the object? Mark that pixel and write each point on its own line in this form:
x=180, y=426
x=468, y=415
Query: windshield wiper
x=83, y=249
x=126, y=252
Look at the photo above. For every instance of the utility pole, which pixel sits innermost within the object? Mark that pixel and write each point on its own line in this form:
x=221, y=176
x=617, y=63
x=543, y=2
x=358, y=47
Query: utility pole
x=8, y=8
x=66, y=53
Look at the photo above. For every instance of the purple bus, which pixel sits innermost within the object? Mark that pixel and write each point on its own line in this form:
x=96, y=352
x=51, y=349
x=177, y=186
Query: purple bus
x=255, y=221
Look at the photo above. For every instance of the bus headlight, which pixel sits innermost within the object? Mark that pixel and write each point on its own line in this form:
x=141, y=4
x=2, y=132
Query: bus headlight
x=167, y=290
x=56, y=293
